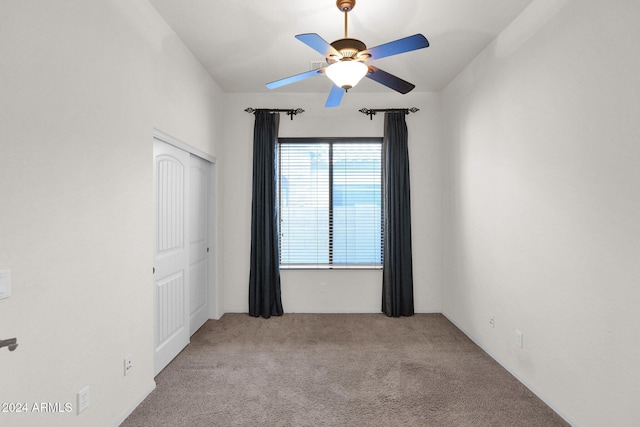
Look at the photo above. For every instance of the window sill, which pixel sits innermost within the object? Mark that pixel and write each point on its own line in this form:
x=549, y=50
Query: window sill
x=330, y=267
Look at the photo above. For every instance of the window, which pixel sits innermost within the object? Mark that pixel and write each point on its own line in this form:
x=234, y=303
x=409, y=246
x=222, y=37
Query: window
x=330, y=202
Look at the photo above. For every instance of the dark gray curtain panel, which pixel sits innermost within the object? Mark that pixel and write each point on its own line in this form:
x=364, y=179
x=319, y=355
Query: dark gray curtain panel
x=397, y=277
x=264, y=276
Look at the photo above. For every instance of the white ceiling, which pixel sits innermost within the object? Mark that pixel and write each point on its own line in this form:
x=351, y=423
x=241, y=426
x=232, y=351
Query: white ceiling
x=245, y=44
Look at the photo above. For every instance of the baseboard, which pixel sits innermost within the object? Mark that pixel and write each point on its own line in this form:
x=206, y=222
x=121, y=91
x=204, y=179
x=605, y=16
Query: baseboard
x=135, y=404
x=365, y=311
x=335, y=312
x=513, y=372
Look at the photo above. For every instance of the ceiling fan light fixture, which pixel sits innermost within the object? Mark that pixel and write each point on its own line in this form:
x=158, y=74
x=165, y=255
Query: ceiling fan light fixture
x=346, y=74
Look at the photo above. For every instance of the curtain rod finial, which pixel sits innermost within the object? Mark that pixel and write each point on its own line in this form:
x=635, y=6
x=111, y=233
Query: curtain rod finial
x=368, y=112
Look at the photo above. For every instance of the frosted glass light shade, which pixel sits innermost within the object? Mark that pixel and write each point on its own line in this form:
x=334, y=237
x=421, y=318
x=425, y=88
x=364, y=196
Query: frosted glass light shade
x=346, y=74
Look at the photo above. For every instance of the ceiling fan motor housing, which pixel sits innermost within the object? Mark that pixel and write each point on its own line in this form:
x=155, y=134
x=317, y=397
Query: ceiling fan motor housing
x=348, y=48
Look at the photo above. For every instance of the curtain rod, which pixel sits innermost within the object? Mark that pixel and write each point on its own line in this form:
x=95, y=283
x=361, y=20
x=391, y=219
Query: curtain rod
x=290, y=111
x=372, y=112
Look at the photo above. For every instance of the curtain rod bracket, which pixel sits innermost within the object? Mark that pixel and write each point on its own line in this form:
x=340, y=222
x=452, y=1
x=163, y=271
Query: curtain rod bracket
x=290, y=112
x=372, y=112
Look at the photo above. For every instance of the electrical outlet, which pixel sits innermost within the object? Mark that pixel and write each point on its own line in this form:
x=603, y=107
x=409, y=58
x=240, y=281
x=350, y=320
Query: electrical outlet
x=519, y=338
x=128, y=365
x=83, y=399
x=323, y=287
x=492, y=322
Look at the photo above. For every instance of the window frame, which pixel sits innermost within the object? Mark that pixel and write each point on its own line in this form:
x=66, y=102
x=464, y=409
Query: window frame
x=330, y=141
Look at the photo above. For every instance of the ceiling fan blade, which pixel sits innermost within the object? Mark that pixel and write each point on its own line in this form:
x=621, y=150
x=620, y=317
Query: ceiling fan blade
x=296, y=78
x=407, y=44
x=389, y=80
x=319, y=44
x=335, y=96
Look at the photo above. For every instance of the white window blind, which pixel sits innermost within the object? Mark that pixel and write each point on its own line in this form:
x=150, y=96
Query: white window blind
x=330, y=202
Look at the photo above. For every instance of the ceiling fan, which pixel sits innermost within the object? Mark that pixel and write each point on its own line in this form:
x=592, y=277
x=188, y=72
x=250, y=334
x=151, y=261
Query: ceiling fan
x=346, y=59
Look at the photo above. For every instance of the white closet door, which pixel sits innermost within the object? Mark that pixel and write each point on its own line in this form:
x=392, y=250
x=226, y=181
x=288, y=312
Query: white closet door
x=171, y=270
x=199, y=242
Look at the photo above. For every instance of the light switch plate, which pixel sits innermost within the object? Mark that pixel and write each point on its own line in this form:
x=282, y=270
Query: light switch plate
x=5, y=284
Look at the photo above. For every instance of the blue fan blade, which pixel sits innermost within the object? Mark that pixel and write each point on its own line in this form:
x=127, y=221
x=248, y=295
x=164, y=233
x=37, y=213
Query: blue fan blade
x=389, y=80
x=293, y=79
x=335, y=96
x=318, y=44
x=407, y=44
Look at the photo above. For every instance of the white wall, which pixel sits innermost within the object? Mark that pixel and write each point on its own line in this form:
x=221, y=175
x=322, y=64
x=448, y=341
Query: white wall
x=346, y=291
x=83, y=84
x=543, y=201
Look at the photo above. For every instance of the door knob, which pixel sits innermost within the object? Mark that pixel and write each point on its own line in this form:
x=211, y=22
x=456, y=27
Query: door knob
x=12, y=343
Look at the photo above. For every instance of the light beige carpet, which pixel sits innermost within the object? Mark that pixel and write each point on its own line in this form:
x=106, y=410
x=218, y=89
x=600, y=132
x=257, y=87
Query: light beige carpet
x=337, y=370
